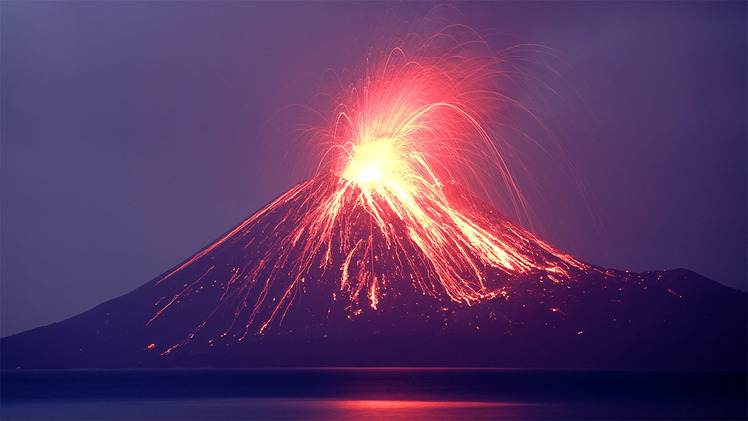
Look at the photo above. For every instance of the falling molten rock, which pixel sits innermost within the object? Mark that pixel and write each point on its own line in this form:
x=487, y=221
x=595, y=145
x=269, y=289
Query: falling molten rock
x=274, y=292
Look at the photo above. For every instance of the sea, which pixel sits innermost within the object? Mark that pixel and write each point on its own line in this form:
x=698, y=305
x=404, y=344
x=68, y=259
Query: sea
x=371, y=394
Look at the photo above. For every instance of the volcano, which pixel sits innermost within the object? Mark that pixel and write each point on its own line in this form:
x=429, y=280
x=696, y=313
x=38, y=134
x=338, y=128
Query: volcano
x=332, y=273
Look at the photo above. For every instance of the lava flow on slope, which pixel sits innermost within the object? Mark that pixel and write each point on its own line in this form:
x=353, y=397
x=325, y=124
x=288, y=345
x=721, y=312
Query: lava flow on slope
x=329, y=245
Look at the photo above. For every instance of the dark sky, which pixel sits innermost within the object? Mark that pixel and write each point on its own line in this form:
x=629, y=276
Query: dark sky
x=134, y=133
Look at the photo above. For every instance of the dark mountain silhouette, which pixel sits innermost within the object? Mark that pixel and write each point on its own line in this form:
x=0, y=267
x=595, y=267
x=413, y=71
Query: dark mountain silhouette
x=267, y=293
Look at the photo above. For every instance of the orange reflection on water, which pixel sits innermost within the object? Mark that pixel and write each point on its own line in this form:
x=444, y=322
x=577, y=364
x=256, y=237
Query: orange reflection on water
x=422, y=410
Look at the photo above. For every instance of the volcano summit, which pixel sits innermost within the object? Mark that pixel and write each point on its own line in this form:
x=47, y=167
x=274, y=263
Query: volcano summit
x=274, y=292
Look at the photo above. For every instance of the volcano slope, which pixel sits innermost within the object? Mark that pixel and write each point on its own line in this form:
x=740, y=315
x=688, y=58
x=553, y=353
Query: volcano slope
x=298, y=285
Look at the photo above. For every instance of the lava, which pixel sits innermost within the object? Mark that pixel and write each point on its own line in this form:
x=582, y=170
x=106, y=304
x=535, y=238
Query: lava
x=417, y=121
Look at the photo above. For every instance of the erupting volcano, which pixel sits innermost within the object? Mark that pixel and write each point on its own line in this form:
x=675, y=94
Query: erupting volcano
x=386, y=257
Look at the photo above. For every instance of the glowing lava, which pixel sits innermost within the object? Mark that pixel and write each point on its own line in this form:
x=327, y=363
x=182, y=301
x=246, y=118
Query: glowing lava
x=375, y=161
x=421, y=112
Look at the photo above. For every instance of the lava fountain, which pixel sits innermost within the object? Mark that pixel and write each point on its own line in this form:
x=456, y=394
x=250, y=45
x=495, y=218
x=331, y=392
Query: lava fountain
x=423, y=116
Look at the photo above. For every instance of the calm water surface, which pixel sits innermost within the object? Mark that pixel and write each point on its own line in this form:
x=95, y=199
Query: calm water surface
x=370, y=394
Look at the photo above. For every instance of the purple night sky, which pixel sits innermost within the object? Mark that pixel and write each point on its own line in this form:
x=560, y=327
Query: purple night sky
x=134, y=133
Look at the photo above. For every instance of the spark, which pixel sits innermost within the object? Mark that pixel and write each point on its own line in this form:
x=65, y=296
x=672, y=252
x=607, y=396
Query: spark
x=415, y=124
